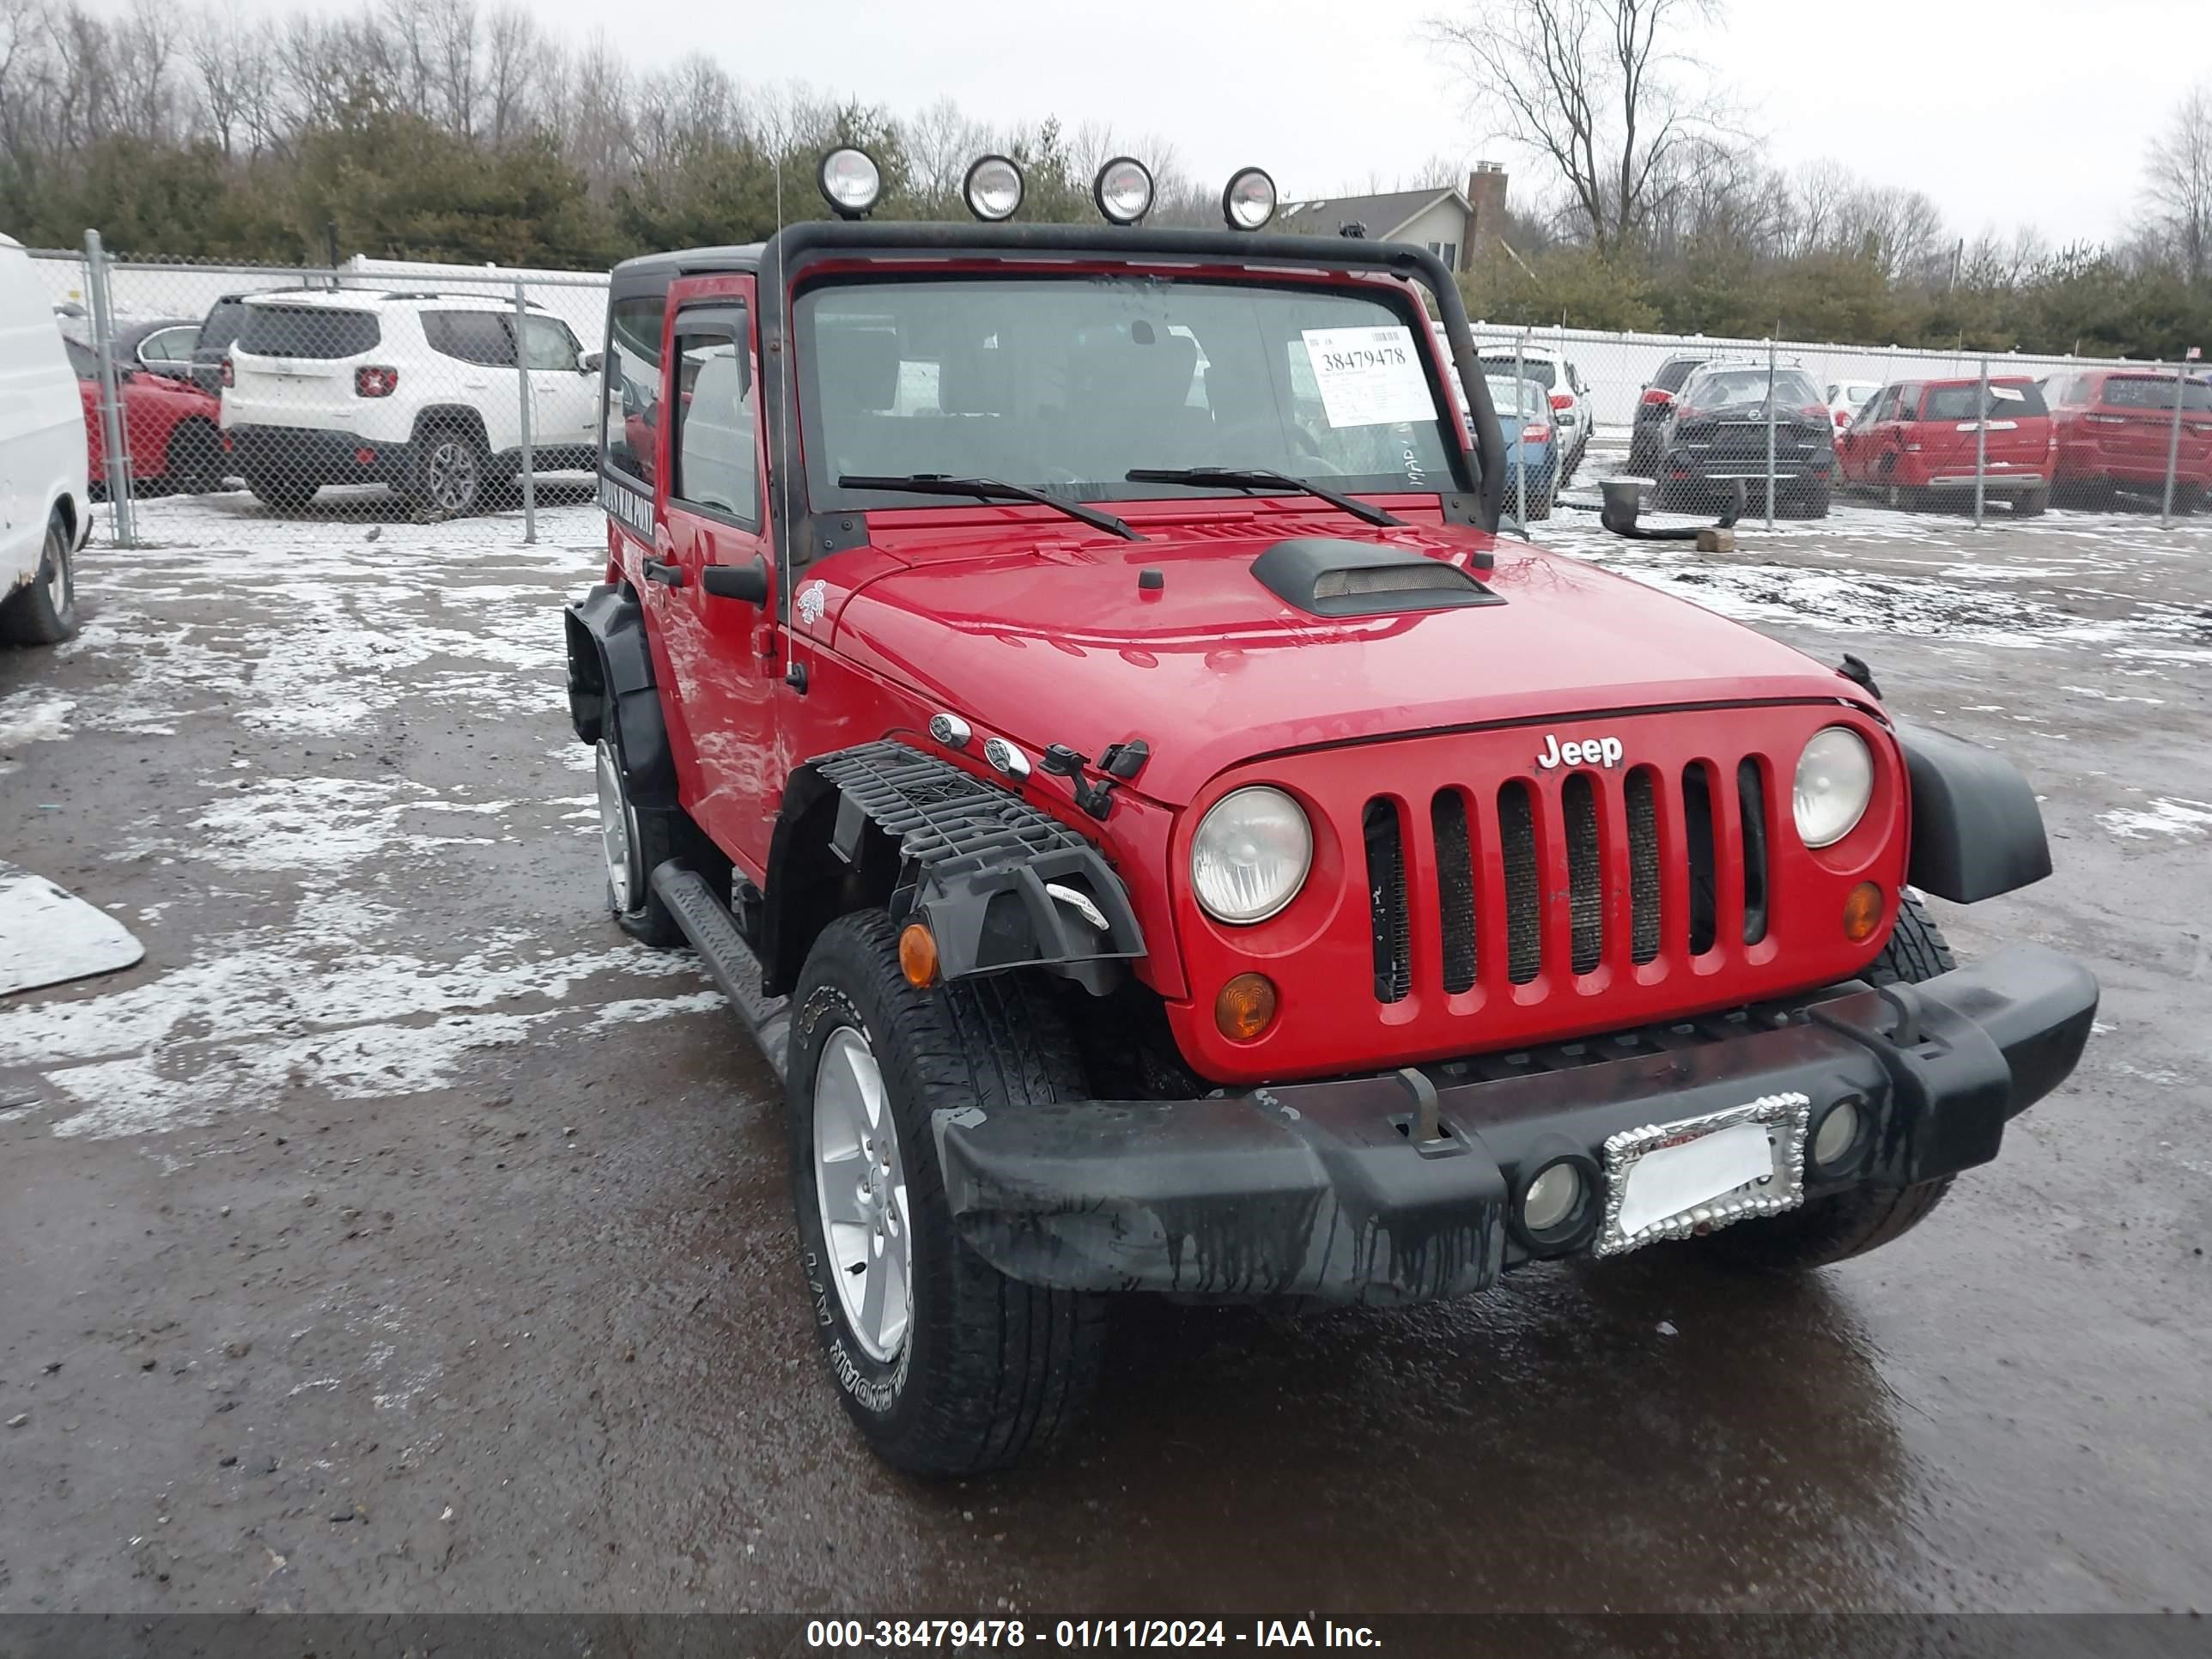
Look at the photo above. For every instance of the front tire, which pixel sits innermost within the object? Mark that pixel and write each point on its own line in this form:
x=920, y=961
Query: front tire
x=2032, y=503
x=193, y=463
x=1844, y=1224
x=45, y=611
x=947, y=1367
x=633, y=841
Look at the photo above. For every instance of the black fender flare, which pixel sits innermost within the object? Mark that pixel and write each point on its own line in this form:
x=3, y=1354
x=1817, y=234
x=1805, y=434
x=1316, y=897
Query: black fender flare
x=1000, y=884
x=609, y=659
x=456, y=415
x=1977, y=830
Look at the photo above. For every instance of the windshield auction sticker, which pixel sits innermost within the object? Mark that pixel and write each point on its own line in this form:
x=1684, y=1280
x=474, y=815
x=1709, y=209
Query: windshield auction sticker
x=1369, y=376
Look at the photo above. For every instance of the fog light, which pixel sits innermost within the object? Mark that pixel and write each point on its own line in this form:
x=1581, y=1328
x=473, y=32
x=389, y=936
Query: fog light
x=1837, y=1134
x=1245, y=1007
x=918, y=955
x=1551, y=1199
x=992, y=189
x=1863, y=913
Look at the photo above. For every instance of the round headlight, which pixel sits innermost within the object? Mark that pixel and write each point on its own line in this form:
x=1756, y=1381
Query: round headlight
x=992, y=189
x=1250, y=201
x=1123, y=189
x=849, y=182
x=1835, y=781
x=1250, y=855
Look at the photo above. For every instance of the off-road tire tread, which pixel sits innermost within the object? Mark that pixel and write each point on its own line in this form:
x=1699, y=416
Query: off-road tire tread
x=650, y=922
x=1848, y=1224
x=1917, y=950
x=994, y=1043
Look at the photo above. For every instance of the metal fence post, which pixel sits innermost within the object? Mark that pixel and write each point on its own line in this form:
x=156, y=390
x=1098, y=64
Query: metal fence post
x=113, y=436
x=1981, y=441
x=1520, y=445
x=2174, y=447
x=1770, y=433
x=522, y=384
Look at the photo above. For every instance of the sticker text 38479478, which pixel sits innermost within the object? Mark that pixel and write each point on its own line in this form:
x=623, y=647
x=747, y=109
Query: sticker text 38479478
x=1369, y=376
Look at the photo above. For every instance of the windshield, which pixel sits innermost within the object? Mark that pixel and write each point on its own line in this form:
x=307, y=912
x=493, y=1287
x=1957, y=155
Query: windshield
x=2143, y=391
x=1066, y=384
x=1723, y=389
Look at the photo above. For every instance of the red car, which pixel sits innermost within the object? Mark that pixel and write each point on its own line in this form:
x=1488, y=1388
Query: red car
x=1915, y=442
x=1070, y=685
x=2116, y=429
x=171, y=430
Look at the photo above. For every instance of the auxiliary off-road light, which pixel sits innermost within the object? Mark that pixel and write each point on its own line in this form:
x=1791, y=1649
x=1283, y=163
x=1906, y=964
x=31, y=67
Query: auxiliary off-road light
x=1549, y=1201
x=918, y=955
x=1250, y=201
x=992, y=189
x=849, y=181
x=1863, y=912
x=1836, y=1136
x=1250, y=855
x=1246, y=1007
x=1835, y=781
x=1123, y=189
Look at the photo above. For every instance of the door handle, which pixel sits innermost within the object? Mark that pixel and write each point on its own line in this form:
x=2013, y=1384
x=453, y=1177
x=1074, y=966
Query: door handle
x=657, y=571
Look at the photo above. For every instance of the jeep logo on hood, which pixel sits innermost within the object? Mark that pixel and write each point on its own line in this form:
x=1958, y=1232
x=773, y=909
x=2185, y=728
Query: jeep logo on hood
x=1590, y=751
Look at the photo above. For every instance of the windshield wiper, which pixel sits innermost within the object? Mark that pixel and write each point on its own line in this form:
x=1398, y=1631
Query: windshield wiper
x=985, y=490
x=1256, y=477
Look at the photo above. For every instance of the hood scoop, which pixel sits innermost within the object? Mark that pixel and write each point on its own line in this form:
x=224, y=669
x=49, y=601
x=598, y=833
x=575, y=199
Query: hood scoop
x=1325, y=577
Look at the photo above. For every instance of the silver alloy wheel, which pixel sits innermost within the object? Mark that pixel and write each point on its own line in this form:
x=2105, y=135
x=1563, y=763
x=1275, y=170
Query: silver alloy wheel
x=57, y=574
x=860, y=1182
x=453, y=473
x=617, y=840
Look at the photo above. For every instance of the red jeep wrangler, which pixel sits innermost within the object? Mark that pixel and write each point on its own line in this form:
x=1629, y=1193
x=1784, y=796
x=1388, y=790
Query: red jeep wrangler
x=1067, y=685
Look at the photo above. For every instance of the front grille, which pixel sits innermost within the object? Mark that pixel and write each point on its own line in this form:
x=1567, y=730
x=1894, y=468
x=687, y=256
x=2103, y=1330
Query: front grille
x=1386, y=890
x=1569, y=876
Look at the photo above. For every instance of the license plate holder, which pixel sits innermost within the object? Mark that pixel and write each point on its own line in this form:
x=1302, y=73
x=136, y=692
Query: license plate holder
x=1700, y=1173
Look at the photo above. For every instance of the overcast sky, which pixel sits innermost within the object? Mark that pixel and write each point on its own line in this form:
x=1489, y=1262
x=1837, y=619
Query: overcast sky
x=2006, y=112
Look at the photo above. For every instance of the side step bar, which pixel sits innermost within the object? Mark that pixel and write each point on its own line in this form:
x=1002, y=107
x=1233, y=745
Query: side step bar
x=713, y=934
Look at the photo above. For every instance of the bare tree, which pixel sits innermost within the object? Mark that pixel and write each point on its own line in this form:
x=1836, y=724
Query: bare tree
x=1598, y=89
x=2177, y=182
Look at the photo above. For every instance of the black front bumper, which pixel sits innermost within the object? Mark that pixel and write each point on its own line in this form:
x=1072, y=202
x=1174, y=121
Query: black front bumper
x=1314, y=1190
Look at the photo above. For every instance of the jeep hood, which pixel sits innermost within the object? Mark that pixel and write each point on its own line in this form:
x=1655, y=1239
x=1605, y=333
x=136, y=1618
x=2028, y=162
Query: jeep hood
x=1060, y=645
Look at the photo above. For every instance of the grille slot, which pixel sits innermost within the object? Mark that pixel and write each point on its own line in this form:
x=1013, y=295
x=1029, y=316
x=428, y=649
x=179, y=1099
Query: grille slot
x=1641, y=793
x=1516, y=839
x=1454, y=887
x=1698, y=836
x=1751, y=811
x=1389, y=924
x=1585, y=880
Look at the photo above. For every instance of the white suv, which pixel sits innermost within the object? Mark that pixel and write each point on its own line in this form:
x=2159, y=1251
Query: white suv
x=1571, y=409
x=416, y=391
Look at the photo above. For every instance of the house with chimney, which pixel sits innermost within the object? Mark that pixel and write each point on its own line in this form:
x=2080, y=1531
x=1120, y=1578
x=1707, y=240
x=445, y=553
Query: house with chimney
x=1450, y=223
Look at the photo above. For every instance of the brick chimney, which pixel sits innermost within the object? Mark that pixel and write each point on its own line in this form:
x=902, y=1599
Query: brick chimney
x=1486, y=194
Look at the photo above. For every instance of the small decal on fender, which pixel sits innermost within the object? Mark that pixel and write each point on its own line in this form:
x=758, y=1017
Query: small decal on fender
x=811, y=598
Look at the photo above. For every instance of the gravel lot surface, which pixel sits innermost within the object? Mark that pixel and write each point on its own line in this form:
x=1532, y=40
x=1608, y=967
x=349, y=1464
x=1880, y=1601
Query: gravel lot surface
x=397, y=1237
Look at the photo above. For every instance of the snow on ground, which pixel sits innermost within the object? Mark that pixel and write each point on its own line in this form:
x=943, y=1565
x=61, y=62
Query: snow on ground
x=292, y=948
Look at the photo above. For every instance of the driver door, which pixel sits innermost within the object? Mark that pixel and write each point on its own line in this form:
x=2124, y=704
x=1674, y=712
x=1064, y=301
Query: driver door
x=724, y=651
x=564, y=409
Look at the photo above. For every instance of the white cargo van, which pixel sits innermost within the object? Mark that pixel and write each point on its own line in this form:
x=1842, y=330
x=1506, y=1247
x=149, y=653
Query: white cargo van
x=43, y=499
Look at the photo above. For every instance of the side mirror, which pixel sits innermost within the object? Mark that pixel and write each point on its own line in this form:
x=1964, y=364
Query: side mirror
x=748, y=583
x=589, y=363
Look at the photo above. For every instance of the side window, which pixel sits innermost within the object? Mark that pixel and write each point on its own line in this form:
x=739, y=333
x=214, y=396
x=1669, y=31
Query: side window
x=473, y=337
x=168, y=345
x=547, y=343
x=715, y=449
x=633, y=385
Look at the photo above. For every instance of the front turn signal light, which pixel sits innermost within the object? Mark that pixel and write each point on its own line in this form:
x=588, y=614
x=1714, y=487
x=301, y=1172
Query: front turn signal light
x=918, y=955
x=1246, y=1006
x=1863, y=913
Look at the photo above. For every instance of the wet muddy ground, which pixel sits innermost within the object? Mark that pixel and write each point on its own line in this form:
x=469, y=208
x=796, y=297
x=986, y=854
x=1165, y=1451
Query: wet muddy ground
x=397, y=1237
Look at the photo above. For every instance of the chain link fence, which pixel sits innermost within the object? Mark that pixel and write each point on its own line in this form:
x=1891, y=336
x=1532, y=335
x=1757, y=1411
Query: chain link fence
x=1802, y=425
x=243, y=400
